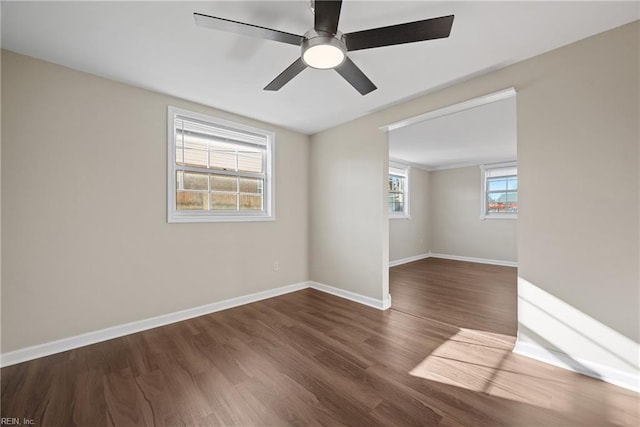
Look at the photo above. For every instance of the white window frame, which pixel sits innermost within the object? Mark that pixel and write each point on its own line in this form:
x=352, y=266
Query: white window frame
x=180, y=216
x=483, y=191
x=401, y=169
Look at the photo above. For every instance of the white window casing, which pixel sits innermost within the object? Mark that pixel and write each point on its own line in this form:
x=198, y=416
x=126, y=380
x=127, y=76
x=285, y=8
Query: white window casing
x=218, y=170
x=400, y=172
x=508, y=170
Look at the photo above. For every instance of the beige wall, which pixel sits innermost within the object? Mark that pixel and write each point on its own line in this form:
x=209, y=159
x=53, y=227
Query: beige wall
x=577, y=110
x=578, y=142
x=455, y=224
x=409, y=237
x=349, y=228
x=85, y=242
x=0, y=197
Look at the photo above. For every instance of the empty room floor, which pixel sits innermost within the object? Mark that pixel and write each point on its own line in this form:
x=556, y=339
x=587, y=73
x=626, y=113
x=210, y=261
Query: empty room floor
x=440, y=356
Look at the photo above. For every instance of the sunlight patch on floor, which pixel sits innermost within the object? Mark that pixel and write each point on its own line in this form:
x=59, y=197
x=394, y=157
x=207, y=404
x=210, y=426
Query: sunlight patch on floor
x=482, y=362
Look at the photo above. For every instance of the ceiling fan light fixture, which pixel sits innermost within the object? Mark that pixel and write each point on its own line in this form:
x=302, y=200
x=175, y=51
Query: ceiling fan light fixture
x=323, y=52
x=325, y=47
x=323, y=56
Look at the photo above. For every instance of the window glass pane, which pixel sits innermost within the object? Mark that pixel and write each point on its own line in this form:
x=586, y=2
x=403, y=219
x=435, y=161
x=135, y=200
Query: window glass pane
x=249, y=160
x=195, y=181
x=397, y=207
x=179, y=142
x=179, y=158
x=496, y=184
x=189, y=200
x=224, y=201
x=251, y=202
x=224, y=183
x=494, y=203
x=250, y=185
x=512, y=183
x=506, y=202
x=396, y=183
x=396, y=202
x=179, y=180
x=222, y=156
x=396, y=197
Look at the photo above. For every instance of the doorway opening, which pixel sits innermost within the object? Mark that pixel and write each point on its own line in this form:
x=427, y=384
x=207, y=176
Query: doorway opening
x=453, y=206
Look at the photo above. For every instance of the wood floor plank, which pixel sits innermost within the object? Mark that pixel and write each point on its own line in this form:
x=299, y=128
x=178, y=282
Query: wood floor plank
x=440, y=357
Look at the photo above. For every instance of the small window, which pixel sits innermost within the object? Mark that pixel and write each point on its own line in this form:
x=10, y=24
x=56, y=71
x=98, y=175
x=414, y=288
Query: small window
x=218, y=170
x=499, y=191
x=398, y=190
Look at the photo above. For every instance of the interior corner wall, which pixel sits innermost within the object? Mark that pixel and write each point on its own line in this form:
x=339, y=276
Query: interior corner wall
x=85, y=241
x=456, y=227
x=410, y=237
x=578, y=225
x=349, y=226
x=578, y=173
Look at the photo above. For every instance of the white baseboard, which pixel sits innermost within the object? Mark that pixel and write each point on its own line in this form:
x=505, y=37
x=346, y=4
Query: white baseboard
x=472, y=259
x=408, y=259
x=46, y=349
x=585, y=367
x=371, y=302
x=65, y=344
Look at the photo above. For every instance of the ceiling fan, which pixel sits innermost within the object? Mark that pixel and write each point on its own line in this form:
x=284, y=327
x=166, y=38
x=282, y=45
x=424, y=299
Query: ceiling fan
x=325, y=47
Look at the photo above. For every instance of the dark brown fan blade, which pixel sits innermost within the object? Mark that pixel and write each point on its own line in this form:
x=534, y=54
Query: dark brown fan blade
x=246, y=29
x=285, y=76
x=356, y=78
x=428, y=29
x=327, y=14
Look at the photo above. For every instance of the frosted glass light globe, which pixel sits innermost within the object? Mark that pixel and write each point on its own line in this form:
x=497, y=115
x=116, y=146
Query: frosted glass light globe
x=323, y=56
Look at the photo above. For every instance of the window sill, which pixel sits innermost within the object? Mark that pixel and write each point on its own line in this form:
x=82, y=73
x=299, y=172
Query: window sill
x=498, y=216
x=399, y=216
x=191, y=218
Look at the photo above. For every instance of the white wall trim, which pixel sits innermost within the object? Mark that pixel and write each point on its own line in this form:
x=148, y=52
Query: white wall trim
x=466, y=164
x=581, y=366
x=453, y=165
x=461, y=106
x=70, y=343
x=478, y=260
x=29, y=353
x=408, y=259
x=383, y=304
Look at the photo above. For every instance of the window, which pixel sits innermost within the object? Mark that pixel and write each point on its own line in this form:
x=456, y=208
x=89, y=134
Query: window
x=499, y=191
x=398, y=190
x=218, y=170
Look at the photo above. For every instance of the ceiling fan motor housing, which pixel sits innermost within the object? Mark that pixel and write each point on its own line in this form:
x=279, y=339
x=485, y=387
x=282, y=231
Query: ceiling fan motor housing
x=323, y=50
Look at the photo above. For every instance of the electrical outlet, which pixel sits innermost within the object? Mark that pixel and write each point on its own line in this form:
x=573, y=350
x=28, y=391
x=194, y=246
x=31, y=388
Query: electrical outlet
x=276, y=266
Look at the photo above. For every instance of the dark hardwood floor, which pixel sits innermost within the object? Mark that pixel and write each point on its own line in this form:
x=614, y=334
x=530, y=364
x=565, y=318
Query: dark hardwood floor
x=463, y=294
x=441, y=357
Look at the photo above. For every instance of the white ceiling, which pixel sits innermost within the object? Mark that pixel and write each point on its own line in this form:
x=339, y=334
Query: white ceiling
x=156, y=45
x=480, y=135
